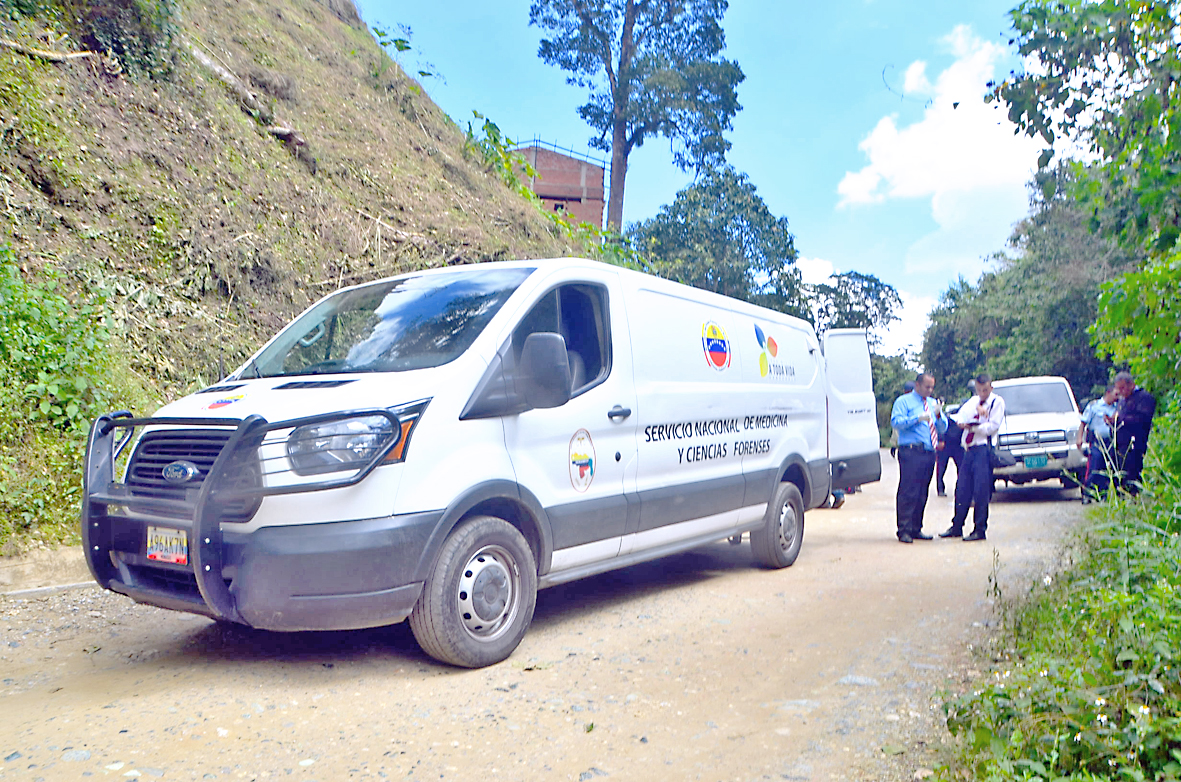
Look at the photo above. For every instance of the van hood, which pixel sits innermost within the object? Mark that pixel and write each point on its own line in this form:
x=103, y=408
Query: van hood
x=1039, y=422
x=298, y=396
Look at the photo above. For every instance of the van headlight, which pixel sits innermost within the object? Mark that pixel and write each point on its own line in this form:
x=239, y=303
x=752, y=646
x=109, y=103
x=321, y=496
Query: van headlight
x=1072, y=436
x=347, y=444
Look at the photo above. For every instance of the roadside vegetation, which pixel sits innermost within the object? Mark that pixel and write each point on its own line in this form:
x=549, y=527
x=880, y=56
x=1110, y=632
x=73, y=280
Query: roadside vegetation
x=1086, y=683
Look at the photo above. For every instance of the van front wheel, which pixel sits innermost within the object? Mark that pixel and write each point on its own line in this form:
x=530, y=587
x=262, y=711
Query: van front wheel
x=478, y=599
x=777, y=543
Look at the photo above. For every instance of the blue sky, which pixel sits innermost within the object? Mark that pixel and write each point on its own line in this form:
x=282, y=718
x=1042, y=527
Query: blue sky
x=849, y=126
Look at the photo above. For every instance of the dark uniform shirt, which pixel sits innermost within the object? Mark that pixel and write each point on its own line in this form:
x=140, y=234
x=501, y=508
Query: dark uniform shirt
x=1133, y=418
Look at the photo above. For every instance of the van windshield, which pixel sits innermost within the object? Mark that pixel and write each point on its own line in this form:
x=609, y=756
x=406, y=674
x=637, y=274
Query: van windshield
x=1035, y=398
x=393, y=326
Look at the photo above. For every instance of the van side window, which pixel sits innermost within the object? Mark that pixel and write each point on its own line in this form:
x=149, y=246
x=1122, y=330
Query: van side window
x=579, y=314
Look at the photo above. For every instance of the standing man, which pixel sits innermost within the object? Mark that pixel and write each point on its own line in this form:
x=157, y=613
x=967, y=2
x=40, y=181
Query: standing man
x=918, y=419
x=1096, y=434
x=949, y=451
x=1132, y=423
x=980, y=418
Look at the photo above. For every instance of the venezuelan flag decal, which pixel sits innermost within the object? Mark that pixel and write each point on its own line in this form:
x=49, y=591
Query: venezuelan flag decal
x=717, y=348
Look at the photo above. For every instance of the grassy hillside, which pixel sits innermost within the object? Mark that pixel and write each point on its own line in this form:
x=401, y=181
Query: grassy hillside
x=200, y=219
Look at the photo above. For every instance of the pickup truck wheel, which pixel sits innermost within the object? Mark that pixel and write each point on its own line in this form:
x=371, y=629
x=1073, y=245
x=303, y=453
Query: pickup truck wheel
x=478, y=598
x=777, y=543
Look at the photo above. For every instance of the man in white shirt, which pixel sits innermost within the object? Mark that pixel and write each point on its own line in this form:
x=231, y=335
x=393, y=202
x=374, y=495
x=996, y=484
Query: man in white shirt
x=979, y=418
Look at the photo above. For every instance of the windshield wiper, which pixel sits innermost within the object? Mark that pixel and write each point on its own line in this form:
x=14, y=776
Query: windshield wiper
x=251, y=367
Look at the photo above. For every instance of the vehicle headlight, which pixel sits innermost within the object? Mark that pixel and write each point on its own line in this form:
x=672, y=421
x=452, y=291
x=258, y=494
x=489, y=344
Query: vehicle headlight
x=340, y=445
x=1072, y=436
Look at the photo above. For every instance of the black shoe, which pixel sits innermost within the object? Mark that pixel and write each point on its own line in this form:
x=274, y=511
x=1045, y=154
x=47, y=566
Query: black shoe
x=952, y=532
x=921, y=536
x=904, y=538
x=976, y=535
x=941, y=493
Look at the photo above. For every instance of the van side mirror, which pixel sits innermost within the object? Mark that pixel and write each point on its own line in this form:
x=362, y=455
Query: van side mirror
x=544, y=378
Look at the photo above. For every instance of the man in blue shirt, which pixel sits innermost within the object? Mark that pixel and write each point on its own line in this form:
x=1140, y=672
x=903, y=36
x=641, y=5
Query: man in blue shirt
x=1095, y=433
x=919, y=419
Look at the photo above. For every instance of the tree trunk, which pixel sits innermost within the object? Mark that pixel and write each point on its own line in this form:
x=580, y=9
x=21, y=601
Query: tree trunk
x=618, y=176
x=620, y=146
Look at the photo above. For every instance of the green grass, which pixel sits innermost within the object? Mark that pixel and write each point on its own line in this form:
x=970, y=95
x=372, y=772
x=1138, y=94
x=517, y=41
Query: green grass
x=1087, y=684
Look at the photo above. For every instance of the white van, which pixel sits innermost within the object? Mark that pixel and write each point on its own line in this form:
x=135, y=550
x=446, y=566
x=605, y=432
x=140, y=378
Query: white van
x=1040, y=430
x=442, y=444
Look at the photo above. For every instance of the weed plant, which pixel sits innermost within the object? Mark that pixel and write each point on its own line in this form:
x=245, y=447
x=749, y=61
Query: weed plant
x=1088, y=685
x=54, y=368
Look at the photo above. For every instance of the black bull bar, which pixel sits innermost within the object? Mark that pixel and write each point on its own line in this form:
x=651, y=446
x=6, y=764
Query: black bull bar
x=222, y=486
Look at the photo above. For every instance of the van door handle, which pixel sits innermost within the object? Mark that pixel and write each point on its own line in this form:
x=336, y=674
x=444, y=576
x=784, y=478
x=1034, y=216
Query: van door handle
x=619, y=412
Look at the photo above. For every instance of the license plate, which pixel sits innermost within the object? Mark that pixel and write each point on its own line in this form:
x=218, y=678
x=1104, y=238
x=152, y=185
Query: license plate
x=168, y=545
x=1034, y=462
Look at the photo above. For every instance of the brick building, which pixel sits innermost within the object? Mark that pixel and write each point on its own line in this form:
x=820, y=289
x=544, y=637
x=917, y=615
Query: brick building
x=567, y=181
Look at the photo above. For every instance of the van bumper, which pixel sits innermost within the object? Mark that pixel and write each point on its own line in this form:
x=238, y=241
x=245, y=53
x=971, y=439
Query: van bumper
x=343, y=575
x=1060, y=462
x=337, y=576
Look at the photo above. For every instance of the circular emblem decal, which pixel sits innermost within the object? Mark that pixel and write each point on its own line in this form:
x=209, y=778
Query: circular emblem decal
x=716, y=346
x=582, y=460
x=180, y=472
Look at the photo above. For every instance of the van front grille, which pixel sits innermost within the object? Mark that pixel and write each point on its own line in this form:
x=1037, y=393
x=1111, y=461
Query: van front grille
x=199, y=447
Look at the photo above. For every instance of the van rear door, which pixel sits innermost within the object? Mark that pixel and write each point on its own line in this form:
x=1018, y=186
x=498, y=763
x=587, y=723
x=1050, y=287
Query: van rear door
x=853, y=439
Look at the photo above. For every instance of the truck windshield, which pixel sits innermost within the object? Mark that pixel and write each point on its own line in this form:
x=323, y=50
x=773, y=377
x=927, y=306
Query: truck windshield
x=1036, y=398
x=393, y=326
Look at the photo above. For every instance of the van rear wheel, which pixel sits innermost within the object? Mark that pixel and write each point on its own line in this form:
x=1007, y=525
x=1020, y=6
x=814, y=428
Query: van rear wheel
x=479, y=597
x=777, y=543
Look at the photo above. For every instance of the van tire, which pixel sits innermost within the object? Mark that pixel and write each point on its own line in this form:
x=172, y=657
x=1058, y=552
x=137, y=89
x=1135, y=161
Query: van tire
x=454, y=623
x=777, y=543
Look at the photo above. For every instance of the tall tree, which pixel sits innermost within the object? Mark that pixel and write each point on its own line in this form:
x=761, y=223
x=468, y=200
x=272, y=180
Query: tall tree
x=653, y=67
x=719, y=235
x=1108, y=75
x=853, y=300
x=1029, y=316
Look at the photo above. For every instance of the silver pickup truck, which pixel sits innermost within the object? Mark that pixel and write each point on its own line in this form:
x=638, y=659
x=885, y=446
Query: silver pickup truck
x=1040, y=430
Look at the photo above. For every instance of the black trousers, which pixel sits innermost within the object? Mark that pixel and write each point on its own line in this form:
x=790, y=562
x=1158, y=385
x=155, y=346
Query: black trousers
x=974, y=483
x=1131, y=464
x=1101, y=463
x=915, y=467
x=941, y=460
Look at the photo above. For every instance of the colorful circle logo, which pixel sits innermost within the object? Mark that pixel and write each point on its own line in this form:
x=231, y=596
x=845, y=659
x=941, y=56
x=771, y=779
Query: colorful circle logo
x=717, y=347
x=770, y=350
x=582, y=460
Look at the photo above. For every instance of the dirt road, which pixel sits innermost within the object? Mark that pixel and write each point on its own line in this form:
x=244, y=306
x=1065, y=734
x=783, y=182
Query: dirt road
x=695, y=667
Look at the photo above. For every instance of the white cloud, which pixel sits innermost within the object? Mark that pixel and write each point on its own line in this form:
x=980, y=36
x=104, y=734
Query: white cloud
x=915, y=79
x=962, y=155
x=814, y=271
x=905, y=335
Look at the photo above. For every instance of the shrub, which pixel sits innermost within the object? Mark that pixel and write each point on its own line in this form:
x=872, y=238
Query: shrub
x=1088, y=682
x=141, y=34
x=52, y=354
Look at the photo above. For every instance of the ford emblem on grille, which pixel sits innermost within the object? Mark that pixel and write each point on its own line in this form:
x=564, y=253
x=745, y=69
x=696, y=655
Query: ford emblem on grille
x=180, y=472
